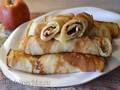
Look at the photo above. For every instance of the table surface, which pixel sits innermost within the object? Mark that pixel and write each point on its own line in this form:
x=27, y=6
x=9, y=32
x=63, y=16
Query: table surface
x=110, y=81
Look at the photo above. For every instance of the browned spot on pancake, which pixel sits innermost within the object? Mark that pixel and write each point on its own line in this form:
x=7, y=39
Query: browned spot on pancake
x=85, y=62
x=90, y=63
x=60, y=66
x=100, y=64
x=39, y=27
x=23, y=43
x=83, y=42
x=45, y=45
x=79, y=44
x=33, y=60
x=38, y=66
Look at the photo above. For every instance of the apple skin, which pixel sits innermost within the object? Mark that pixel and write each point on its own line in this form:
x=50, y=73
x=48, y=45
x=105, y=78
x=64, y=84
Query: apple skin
x=0, y=14
x=14, y=15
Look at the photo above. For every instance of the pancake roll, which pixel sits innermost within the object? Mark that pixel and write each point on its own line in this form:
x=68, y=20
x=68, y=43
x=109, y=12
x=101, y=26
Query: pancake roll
x=55, y=63
x=76, y=27
x=96, y=46
x=54, y=25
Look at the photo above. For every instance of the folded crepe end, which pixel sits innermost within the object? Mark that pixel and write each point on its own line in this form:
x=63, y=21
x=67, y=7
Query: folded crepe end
x=49, y=31
x=106, y=48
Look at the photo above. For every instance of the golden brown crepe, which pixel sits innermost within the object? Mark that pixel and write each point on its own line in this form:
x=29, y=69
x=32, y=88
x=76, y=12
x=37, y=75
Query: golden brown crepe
x=75, y=27
x=112, y=27
x=104, y=29
x=54, y=25
x=55, y=63
x=95, y=28
x=97, y=46
x=99, y=31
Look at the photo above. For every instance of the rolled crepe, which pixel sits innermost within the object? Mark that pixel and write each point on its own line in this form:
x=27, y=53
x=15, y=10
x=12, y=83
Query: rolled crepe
x=54, y=25
x=96, y=46
x=55, y=63
x=104, y=28
x=75, y=27
x=99, y=31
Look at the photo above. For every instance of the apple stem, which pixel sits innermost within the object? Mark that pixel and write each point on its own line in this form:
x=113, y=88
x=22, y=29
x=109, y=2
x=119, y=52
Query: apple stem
x=10, y=1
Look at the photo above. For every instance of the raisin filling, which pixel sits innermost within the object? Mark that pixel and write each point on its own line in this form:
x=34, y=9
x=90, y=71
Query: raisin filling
x=74, y=29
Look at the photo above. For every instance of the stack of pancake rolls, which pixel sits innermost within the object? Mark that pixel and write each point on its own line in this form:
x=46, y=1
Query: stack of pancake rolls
x=64, y=43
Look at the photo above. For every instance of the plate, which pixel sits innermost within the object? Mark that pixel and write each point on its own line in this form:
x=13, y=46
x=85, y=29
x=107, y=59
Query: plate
x=60, y=80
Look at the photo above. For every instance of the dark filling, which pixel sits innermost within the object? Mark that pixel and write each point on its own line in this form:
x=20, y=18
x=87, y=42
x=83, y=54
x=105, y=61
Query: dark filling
x=49, y=31
x=72, y=29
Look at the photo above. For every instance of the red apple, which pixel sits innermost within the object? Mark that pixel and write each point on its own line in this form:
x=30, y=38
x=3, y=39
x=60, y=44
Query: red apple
x=13, y=13
x=0, y=14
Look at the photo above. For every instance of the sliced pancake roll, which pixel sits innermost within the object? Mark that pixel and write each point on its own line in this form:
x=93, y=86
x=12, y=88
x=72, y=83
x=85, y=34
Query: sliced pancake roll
x=55, y=63
x=54, y=25
x=96, y=46
x=75, y=27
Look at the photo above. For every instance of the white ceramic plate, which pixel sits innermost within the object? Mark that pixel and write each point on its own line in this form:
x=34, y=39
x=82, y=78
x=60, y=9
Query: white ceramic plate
x=63, y=79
